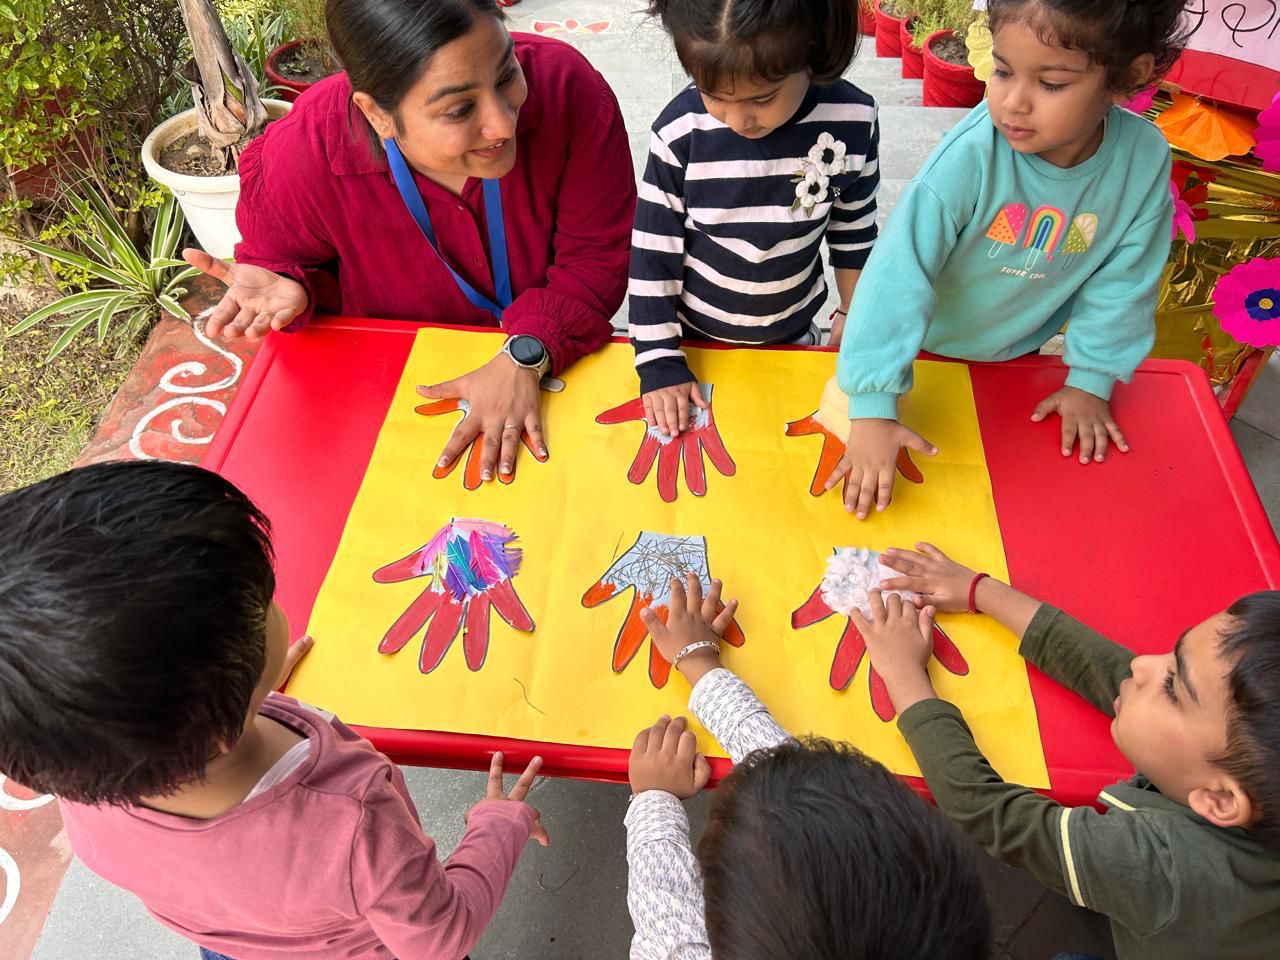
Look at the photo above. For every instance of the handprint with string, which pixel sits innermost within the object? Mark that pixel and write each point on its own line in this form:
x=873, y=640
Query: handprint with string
x=468, y=566
x=647, y=567
x=851, y=573
x=702, y=434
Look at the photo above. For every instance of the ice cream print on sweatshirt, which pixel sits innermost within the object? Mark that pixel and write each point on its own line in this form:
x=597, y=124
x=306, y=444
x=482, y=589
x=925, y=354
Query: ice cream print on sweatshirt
x=1044, y=232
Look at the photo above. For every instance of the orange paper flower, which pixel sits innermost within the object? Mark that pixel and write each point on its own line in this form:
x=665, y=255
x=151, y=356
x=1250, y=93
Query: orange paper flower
x=1204, y=130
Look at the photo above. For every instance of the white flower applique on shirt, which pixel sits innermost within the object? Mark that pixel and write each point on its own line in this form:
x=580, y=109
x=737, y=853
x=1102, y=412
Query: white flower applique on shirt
x=826, y=159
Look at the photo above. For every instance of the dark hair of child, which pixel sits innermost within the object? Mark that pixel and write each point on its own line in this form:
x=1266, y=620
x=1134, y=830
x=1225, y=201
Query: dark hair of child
x=1112, y=32
x=814, y=851
x=1251, y=642
x=133, y=606
x=720, y=41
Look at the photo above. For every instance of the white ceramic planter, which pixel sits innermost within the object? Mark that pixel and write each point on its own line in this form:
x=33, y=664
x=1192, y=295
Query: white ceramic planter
x=208, y=203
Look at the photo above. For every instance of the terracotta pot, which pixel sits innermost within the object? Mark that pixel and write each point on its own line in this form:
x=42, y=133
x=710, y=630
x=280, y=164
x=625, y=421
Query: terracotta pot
x=866, y=18
x=946, y=84
x=912, y=57
x=888, y=34
x=287, y=88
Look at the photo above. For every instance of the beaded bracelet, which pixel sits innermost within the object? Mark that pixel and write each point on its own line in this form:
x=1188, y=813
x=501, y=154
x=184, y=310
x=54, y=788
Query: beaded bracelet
x=700, y=645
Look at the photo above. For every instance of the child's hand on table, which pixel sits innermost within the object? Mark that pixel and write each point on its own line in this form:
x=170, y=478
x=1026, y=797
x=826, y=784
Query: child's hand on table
x=691, y=619
x=667, y=408
x=297, y=650
x=665, y=757
x=870, y=459
x=493, y=791
x=1084, y=417
x=927, y=571
x=900, y=642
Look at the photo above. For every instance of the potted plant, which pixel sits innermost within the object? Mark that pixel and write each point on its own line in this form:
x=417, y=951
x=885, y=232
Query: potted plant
x=889, y=27
x=867, y=18
x=912, y=52
x=949, y=80
x=294, y=66
x=195, y=153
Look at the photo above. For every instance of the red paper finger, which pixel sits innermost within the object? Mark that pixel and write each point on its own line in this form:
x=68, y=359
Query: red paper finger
x=528, y=445
x=475, y=632
x=645, y=456
x=411, y=621
x=714, y=446
x=881, y=702
x=599, y=592
x=803, y=427
x=440, y=634
x=440, y=472
x=668, y=469
x=848, y=655
x=471, y=476
x=907, y=468
x=406, y=568
x=632, y=634
x=812, y=611
x=659, y=668
x=509, y=606
x=948, y=653
x=437, y=407
x=631, y=410
x=732, y=633
x=695, y=475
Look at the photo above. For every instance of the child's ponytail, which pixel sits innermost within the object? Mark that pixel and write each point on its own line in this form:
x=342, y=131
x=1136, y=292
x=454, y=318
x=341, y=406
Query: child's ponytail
x=835, y=38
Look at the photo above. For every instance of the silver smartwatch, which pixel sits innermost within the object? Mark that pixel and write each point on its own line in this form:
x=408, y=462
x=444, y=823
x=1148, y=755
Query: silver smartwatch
x=528, y=352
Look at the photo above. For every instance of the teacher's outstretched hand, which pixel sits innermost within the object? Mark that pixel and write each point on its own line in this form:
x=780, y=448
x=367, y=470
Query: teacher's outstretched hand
x=502, y=402
x=257, y=300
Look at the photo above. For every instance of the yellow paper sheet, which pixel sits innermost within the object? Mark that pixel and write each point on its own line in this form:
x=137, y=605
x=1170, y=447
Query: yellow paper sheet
x=767, y=538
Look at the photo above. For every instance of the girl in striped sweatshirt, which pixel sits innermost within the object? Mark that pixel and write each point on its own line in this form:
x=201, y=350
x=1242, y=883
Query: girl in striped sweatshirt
x=767, y=152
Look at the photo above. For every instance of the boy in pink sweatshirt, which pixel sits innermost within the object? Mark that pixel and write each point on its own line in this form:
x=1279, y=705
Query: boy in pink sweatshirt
x=139, y=647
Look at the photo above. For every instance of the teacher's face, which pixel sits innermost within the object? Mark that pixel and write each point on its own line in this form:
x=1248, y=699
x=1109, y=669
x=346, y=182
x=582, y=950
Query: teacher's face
x=459, y=119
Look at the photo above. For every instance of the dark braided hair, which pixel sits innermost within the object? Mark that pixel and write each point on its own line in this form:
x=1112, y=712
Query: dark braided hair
x=1113, y=33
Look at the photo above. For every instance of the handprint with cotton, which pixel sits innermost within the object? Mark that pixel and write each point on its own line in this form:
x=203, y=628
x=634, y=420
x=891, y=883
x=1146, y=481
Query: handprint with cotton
x=648, y=567
x=469, y=566
x=702, y=434
x=851, y=573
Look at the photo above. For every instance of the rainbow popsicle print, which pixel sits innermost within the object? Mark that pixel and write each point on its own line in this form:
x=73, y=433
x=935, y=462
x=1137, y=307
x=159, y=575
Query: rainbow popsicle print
x=1006, y=227
x=1046, y=228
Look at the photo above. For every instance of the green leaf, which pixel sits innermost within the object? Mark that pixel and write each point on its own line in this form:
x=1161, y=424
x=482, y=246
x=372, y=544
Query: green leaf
x=69, y=334
x=73, y=303
x=172, y=305
x=118, y=277
x=109, y=310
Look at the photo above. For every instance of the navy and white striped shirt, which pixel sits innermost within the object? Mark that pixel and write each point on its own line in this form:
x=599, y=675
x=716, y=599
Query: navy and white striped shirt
x=721, y=250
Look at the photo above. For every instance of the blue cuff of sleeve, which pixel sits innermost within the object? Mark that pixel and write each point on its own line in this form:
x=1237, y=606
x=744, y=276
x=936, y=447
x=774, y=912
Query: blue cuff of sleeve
x=873, y=406
x=1091, y=381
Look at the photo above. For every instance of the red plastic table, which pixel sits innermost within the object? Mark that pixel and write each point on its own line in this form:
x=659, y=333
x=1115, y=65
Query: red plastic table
x=1140, y=547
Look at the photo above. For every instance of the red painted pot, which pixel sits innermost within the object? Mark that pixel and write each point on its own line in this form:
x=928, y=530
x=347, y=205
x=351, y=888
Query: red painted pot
x=888, y=33
x=866, y=18
x=912, y=57
x=286, y=87
x=946, y=84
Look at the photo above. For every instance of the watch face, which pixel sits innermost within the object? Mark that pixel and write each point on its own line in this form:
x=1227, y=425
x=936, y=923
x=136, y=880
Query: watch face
x=526, y=350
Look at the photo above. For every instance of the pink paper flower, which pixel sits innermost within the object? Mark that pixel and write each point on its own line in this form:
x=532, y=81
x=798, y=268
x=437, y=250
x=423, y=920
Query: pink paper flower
x=1247, y=301
x=1182, y=217
x=1142, y=100
x=1268, y=136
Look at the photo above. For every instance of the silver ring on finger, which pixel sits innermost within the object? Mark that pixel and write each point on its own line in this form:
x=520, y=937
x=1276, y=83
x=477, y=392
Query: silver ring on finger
x=511, y=426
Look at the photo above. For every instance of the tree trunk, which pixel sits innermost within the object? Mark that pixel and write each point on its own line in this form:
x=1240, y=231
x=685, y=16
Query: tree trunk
x=230, y=113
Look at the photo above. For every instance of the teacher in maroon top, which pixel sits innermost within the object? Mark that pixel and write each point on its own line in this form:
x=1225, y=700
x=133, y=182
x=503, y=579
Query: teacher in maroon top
x=443, y=85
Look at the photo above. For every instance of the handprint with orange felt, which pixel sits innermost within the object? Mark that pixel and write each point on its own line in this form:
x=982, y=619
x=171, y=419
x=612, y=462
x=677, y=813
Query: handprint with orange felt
x=648, y=566
x=851, y=573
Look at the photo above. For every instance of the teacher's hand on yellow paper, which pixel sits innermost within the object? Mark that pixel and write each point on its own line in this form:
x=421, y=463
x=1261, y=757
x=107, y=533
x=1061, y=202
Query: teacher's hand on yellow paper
x=257, y=300
x=501, y=403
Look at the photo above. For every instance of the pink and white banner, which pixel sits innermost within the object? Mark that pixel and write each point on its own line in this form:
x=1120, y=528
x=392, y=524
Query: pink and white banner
x=1247, y=30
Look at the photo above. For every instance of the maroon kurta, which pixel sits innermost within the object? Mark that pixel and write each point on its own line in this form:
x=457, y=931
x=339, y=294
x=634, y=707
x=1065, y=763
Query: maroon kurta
x=316, y=204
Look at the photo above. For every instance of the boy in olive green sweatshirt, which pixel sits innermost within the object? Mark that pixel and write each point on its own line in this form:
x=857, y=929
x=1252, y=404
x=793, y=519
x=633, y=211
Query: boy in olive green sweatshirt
x=1186, y=860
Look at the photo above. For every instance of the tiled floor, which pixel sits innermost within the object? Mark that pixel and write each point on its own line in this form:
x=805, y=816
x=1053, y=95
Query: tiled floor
x=568, y=902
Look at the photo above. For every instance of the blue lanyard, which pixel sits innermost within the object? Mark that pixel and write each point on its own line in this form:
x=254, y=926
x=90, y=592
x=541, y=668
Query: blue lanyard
x=493, y=217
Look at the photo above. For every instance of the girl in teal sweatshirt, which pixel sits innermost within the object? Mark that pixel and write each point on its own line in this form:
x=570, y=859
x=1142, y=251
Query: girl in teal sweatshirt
x=1047, y=206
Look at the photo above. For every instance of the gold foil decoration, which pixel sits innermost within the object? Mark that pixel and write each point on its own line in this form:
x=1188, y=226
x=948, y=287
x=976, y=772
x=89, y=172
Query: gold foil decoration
x=1243, y=222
